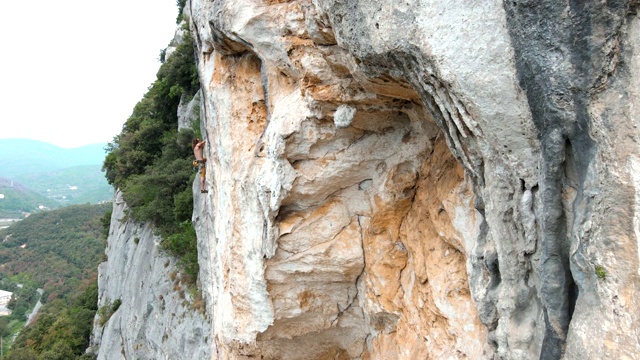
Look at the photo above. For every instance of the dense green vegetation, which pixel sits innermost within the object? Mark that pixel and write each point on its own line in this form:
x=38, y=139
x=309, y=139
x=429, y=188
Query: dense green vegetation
x=58, y=251
x=61, y=331
x=150, y=161
x=180, y=4
x=55, y=248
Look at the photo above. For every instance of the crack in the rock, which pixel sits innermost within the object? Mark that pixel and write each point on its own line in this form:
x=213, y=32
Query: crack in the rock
x=357, y=280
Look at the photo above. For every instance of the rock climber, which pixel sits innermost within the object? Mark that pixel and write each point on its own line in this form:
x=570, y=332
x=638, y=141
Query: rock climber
x=200, y=161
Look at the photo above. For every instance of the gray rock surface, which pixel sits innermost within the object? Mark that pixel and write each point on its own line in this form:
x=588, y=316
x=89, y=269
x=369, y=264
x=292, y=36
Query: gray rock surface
x=189, y=111
x=159, y=318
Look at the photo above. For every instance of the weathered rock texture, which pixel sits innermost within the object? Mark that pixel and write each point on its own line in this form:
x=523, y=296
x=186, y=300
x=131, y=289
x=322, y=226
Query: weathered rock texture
x=159, y=318
x=420, y=179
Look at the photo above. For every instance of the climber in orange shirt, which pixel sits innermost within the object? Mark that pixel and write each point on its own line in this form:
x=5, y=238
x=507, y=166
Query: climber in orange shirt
x=199, y=163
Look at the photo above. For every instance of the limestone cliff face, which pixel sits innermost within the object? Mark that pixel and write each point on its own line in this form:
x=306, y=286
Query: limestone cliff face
x=158, y=318
x=420, y=179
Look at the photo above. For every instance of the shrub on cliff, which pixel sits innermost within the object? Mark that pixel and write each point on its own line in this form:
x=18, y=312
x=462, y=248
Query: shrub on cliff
x=154, y=119
x=150, y=160
x=180, y=4
x=184, y=245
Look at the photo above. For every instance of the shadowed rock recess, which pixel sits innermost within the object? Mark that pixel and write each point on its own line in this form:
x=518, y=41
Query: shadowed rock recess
x=419, y=179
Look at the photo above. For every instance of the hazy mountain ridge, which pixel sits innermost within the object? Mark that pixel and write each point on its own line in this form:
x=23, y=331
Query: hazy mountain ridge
x=35, y=173
x=20, y=157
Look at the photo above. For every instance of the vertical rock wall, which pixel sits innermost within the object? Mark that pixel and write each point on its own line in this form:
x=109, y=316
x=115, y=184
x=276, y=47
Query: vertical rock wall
x=159, y=317
x=419, y=179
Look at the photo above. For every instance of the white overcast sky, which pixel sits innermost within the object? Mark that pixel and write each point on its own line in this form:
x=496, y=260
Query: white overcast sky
x=71, y=71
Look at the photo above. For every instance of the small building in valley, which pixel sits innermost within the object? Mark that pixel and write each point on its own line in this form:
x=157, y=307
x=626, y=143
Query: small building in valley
x=5, y=297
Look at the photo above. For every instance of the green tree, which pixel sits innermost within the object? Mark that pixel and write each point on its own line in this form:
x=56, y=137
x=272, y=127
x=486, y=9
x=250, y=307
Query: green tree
x=27, y=354
x=4, y=326
x=58, y=351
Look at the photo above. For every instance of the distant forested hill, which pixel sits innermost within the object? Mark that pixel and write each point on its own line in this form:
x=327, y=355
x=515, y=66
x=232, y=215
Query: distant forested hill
x=58, y=251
